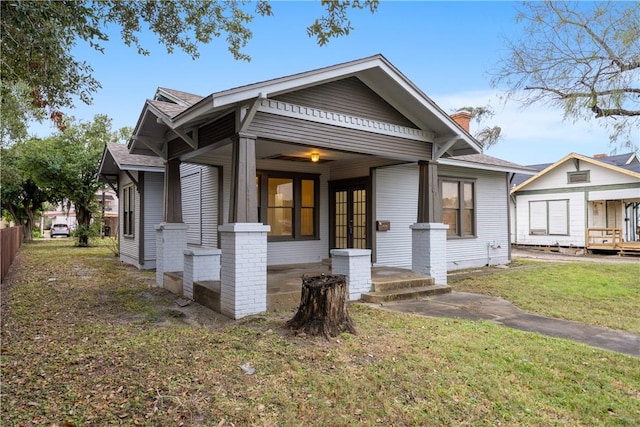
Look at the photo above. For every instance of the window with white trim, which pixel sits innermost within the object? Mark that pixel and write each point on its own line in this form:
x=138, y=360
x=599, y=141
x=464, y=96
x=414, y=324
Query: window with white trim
x=128, y=210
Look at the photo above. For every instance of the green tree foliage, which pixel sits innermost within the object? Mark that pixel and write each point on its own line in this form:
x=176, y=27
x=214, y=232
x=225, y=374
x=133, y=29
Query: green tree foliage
x=70, y=166
x=583, y=57
x=40, y=75
x=21, y=197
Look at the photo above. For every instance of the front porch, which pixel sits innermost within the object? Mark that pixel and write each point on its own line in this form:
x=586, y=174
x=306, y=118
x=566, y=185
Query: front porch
x=284, y=284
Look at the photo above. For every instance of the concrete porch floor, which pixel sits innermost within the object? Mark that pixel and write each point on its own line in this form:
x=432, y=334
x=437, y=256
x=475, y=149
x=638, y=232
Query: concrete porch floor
x=284, y=282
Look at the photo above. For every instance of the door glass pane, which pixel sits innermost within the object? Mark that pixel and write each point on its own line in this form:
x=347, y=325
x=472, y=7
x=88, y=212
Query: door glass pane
x=341, y=219
x=359, y=219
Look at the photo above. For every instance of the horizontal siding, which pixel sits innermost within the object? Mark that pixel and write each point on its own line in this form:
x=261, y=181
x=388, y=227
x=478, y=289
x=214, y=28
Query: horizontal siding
x=491, y=245
x=356, y=168
x=216, y=131
x=210, y=206
x=349, y=96
x=200, y=203
x=129, y=245
x=577, y=224
x=396, y=201
x=153, y=201
x=191, y=184
x=321, y=135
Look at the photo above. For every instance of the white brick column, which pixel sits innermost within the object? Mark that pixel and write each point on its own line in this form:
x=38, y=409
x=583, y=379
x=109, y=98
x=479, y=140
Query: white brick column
x=171, y=240
x=243, y=269
x=200, y=264
x=429, y=250
x=356, y=265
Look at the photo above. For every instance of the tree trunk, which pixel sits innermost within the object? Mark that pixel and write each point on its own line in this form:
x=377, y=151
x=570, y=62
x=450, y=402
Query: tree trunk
x=323, y=307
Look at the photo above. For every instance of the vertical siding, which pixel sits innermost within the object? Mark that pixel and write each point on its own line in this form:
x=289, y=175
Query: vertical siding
x=396, y=201
x=491, y=245
x=153, y=201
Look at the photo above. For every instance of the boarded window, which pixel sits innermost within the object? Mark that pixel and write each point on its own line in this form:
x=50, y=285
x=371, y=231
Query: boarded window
x=192, y=206
x=577, y=177
x=549, y=217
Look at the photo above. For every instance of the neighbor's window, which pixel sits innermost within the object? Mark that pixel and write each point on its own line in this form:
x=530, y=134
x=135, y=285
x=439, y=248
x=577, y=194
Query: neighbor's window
x=128, y=210
x=288, y=203
x=458, y=207
x=577, y=177
x=549, y=217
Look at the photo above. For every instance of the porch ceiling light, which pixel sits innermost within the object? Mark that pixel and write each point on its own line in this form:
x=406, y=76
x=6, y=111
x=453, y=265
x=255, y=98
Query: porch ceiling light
x=315, y=157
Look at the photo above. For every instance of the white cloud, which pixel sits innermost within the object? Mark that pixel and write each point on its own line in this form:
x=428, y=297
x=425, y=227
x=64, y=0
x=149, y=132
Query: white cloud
x=537, y=134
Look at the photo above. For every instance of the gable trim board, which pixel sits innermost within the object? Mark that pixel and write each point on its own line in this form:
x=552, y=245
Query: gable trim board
x=581, y=189
x=575, y=157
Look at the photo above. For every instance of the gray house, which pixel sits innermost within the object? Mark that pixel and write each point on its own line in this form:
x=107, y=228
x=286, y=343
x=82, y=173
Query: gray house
x=351, y=161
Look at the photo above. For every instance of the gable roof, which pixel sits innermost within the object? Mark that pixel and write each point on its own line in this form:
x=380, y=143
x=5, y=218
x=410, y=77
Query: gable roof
x=597, y=162
x=116, y=157
x=375, y=71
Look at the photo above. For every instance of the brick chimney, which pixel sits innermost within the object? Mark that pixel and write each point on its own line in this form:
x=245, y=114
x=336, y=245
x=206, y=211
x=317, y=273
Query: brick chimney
x=463, y=118
x=599, y=156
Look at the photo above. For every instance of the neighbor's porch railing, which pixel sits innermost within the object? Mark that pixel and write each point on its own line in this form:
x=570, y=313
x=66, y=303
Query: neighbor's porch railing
x=603, y=238
x=10, y=240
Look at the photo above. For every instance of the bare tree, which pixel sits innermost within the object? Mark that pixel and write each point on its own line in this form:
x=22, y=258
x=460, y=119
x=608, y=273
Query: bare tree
x=583, y=57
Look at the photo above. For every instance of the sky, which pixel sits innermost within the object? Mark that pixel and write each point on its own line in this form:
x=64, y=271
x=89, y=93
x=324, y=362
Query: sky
x=447, y=49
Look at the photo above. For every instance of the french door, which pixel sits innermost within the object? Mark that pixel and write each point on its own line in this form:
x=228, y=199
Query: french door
x=349, y=215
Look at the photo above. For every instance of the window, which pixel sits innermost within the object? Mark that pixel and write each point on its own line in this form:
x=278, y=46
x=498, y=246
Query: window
x=578, y=177
x=128, y=210
x=549, y=217
x=458, y=207
x=289, y=204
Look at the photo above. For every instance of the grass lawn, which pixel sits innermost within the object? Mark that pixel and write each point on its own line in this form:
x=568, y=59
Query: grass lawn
x=86, y=341
x=595, y=293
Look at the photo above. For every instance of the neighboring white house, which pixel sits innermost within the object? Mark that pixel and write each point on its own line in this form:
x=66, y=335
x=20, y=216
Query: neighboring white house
x=558, y=206
x=351, y=157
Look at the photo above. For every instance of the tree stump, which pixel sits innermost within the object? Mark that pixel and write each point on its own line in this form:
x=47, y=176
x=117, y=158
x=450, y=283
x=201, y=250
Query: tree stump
x=323, y=307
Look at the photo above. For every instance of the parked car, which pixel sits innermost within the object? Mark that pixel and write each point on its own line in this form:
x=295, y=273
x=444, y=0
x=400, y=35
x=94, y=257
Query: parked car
x=60, y=230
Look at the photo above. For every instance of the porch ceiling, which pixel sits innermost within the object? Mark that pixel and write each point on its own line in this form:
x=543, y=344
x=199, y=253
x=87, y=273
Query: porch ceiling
x=266, y=149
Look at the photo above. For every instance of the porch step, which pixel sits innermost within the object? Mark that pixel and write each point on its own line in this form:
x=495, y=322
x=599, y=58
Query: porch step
x=380, y=297
x=207, y=293
x=381, y=285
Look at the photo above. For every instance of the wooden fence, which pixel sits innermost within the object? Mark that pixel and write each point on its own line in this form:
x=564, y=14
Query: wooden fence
x=10, y=240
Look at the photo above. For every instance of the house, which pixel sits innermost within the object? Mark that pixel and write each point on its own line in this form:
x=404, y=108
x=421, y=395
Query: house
x=65, y=213
x=351, y=161
x=138, y=182
x=579, y=201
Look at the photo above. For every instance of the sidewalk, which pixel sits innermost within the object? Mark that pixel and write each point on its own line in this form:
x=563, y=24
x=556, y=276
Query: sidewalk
x=470, y=306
